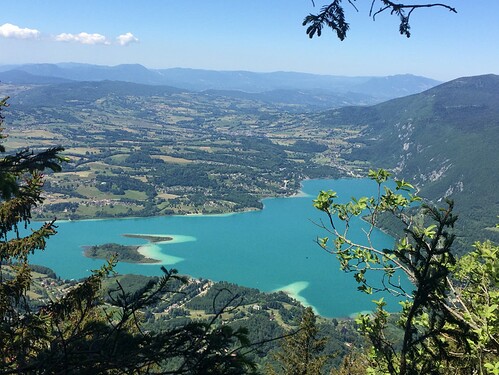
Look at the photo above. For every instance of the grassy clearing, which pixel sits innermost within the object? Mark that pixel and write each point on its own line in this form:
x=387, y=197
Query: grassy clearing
x=201, y=314
x=93, y=192
x=57, y=198
x=167, y=196
x=41, y=133
x=31, y=294
x=83, y=150
x=74, y=175
x=206, y=148
x=98, y=165
x=140, y=178
x=176, y=119
x=119, y=158
x=16, y=143
x=171, y=159
x=135, y=194
x=112, y=210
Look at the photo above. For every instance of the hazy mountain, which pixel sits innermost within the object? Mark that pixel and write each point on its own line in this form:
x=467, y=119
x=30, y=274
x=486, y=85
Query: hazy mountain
x=299, y=100
x=74, y=93
x=85, y=93
x=378, y=88
x=199, y=79
x=395, y=86
x=445, y=139
x=21, y=77
x=85, y=72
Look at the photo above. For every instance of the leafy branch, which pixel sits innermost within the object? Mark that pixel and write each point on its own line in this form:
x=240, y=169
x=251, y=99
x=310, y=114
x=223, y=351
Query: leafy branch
x=449, y=318
x=357, y=257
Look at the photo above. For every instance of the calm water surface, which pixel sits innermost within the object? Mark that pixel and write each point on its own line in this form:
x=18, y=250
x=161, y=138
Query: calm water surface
x=270, y=249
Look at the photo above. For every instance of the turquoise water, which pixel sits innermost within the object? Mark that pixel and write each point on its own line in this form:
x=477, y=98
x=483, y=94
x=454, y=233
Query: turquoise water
x=272, y=249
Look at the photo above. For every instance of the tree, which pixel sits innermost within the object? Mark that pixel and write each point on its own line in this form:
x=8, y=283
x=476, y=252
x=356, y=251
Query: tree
x=301, y=352
x=355, y=363
x=79, y=333
x=20, y=188
x=476, y=291
x=448, y=320
x=332, y=15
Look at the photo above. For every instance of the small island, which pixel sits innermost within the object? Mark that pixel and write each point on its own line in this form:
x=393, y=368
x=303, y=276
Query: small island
x=124, y=253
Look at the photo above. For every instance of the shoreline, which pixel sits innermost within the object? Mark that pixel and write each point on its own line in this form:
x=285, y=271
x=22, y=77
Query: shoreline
x=299, y=193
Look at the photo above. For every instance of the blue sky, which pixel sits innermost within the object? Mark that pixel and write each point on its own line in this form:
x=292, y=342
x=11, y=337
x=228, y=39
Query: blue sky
x=255, y=35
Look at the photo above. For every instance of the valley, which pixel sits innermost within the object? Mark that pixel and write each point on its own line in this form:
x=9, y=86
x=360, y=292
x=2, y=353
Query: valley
x=142, y=151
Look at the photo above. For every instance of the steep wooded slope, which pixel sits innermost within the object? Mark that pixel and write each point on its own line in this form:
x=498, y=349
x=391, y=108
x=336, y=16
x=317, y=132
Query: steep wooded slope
x=446, y=139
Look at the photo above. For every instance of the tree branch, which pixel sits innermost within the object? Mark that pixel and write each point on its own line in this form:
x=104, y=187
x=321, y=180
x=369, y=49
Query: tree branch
x=332, y=16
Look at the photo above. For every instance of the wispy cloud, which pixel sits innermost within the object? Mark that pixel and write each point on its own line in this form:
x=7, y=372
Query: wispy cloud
x=126, y=39
x=83, y=38
x=8, y=30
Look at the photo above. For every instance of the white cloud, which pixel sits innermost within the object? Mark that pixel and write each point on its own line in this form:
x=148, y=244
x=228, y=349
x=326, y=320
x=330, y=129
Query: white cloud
x=83, y=38
x=126, y=39
x=8, y=30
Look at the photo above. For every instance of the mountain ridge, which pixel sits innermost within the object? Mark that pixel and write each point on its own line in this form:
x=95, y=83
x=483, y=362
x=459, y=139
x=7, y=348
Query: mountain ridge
x=382, y=88
x=443, y=139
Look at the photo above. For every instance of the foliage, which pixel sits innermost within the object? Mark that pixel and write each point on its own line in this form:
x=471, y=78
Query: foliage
x=477, y=293
x=79, y=333
x=448, y=316
x=354, y=364
x=332, y=15
x=302, y=351
x=20, y=187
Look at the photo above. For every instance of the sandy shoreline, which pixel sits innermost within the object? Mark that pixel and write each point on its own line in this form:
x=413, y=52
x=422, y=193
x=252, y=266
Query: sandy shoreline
x=151, y=249
x=153, y=238
x=294, y=290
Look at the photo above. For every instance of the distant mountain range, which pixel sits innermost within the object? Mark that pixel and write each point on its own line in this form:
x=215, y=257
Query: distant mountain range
x=445, y=139
x=321, y=91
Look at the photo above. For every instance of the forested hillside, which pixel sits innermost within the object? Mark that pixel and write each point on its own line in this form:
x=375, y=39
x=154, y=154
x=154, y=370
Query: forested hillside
x=444, y=139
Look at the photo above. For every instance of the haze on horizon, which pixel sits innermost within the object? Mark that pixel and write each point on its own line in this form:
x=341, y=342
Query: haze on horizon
x=258, y=36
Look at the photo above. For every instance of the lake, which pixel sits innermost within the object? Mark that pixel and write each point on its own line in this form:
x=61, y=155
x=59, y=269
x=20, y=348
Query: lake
x=271, y=249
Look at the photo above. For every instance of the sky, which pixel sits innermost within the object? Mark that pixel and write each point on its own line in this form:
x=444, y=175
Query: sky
x=253, y=35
